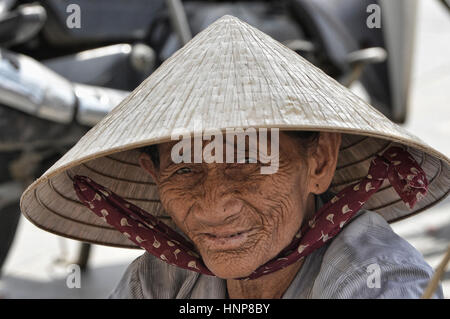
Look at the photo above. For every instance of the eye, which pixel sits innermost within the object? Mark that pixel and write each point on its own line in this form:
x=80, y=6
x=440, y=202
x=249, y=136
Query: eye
x=183, y=170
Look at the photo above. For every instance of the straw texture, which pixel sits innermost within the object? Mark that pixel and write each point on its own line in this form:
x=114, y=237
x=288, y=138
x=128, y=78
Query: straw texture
x=229, y=75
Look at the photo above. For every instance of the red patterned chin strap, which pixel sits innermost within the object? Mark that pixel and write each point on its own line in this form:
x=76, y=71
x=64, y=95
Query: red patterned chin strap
x=395, y=164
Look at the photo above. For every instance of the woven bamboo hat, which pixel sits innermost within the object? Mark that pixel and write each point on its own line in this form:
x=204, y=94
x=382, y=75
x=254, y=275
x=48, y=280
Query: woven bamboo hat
x=230, y=75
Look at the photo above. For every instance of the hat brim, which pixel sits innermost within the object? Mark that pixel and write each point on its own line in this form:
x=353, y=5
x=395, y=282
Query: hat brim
x=56, y=208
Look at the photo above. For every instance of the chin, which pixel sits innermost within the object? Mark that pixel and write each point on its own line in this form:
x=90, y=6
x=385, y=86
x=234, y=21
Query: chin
x=229, y=268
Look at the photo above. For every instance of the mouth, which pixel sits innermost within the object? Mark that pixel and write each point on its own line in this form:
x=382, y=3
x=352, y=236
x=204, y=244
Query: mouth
x=226, y=234
x=225, y=240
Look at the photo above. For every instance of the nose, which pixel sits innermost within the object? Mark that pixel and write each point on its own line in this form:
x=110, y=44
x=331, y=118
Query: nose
x=217, y=211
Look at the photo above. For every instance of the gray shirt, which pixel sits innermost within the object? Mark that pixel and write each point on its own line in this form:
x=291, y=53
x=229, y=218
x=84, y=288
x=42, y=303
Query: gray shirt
x=365, y=260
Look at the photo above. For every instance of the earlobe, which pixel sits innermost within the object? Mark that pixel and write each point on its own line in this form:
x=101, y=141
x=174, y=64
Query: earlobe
x=147, y=164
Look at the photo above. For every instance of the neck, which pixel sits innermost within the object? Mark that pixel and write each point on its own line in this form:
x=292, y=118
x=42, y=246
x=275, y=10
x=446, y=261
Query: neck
x=271, y=286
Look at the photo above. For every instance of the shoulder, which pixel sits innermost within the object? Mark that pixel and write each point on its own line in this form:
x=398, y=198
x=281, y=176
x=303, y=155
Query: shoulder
x=150, y=278
x=129, y=286
x=369, y=260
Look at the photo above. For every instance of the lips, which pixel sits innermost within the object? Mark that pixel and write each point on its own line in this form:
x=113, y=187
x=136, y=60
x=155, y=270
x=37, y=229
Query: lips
x=226, y=234
x=225, y=240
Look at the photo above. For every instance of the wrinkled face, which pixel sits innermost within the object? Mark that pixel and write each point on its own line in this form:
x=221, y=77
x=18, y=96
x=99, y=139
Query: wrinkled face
x=237, y=217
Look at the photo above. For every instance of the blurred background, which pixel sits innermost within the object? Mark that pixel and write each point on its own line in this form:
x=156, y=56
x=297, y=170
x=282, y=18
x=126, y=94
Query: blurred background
x=65, y=64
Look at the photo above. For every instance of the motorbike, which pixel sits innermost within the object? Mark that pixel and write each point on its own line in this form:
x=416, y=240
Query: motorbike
x=64, y=64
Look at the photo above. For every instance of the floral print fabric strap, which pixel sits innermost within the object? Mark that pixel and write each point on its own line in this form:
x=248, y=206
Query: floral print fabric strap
x=397, y=165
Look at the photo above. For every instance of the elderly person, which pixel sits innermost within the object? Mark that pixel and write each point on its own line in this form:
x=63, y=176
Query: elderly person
x=239, y=219
x=315, y=226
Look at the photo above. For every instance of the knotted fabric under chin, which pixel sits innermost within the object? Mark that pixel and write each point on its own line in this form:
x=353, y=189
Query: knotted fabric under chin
x=397, y=165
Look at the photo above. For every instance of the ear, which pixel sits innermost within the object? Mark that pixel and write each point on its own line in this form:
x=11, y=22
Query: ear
x=145, y=161
x=323, y=161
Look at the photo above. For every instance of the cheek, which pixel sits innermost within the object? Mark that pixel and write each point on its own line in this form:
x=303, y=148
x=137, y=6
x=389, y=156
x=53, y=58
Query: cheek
x=176, y=204
x=282, y=205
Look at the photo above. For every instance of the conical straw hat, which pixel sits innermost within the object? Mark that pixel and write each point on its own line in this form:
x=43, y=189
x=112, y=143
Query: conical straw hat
x=230, y=75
